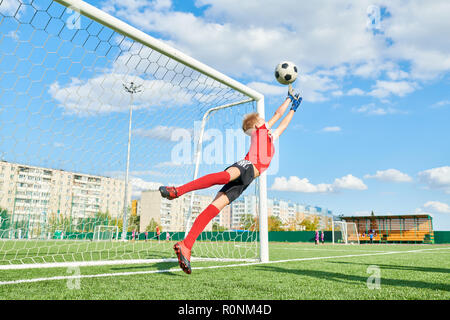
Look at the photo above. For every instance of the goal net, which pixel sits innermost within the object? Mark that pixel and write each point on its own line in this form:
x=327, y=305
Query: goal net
x=95, y=116
x=106, y=233
x=345, y=233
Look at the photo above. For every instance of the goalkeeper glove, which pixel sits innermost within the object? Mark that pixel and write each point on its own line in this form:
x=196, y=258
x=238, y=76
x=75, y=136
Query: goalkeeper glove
x=296, y=102
x=295, y=98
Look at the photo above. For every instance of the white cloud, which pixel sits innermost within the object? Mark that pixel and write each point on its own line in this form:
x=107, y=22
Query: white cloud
x=313, y=87
x=247, y=39
x=10, y=7
x=160, y=132
x=105, y=94
x=438, y=207
x=436, y=178
x=372, y=109
x=297, y=184
x=223, y=38
x=418, y=36
x=390, y=175
x=332, y=129
x=139, y=185
x=397, y=74
x=355, y=92
x=349, y=182
x=58, y=144
x=303, y=185
x=441, y=104
x=384, y=89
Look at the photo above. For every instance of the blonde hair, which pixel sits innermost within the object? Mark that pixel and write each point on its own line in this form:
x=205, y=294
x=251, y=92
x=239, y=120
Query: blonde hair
x=249, y=121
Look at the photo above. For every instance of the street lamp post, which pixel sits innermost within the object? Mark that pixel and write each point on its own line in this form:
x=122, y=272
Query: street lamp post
x=132, y=89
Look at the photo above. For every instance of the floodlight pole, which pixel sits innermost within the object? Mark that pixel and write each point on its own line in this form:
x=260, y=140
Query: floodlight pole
x=131, y=89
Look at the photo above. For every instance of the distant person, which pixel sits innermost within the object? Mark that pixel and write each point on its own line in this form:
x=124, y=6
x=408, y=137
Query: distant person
x=146, y=236
x=371, y=237
x=317, y=237
x=133, y=234
x=322, y=237
x=167, y=236
x=158, y=233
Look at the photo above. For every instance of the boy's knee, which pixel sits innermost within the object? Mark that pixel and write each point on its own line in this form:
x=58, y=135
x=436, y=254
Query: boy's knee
x=221, y=201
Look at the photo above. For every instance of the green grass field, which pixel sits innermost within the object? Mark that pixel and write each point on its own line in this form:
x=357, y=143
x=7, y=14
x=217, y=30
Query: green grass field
x=296, y=271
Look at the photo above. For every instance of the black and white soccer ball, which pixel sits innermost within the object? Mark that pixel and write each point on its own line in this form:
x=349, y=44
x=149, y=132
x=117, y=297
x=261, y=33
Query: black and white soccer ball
x=286, y=72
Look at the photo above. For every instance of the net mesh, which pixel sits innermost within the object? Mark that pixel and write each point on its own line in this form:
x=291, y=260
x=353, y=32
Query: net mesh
x=67, y=85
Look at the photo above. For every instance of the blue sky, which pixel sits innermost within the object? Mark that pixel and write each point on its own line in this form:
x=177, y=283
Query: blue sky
x=373, y=130
x=395, y=122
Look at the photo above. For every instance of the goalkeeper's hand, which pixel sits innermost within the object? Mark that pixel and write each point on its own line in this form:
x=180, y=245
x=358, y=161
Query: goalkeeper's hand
x=295, y=98
x=291, y=93
x=296, y=102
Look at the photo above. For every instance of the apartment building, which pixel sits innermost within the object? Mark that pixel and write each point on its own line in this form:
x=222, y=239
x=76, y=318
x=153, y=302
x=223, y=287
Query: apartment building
x=171, y=214
x=33, y=193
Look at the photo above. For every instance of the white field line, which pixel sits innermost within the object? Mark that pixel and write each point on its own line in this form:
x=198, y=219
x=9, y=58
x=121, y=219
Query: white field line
x=118, y=274
x=98, y=263
x=309, y=249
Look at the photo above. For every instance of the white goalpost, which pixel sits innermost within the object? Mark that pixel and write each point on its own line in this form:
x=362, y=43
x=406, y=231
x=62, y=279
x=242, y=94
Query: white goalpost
x=96, y=114
x=106, y=233
x=344, y=233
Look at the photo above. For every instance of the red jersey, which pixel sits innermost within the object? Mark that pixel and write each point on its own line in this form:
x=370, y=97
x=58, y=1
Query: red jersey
x=261, y=149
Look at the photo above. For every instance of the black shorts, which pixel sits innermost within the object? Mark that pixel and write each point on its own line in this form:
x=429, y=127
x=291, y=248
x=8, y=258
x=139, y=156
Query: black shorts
x=235, y=188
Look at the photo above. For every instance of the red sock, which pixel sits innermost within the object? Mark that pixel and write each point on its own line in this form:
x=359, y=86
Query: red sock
x=199, y=224
x=204, y=182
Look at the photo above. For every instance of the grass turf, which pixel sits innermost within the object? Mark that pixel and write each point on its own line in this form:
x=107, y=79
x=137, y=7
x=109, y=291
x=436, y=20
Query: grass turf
x=326, y=272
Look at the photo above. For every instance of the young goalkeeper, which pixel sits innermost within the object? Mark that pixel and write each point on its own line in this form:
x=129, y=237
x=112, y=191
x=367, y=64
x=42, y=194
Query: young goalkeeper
x=237, y=177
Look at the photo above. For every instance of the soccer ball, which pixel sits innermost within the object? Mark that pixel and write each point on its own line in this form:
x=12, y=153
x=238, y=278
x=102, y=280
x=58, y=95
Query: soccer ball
x=286, y=72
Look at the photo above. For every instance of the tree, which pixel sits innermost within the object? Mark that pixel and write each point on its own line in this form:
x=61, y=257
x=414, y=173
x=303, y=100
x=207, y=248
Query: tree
x=217, y=227
x=249, y=222
x=310, y=225
x=275, y=223
x=294, y=224
x=59, y=222
x=5, y=222
x=152, y=226
x=134, y=222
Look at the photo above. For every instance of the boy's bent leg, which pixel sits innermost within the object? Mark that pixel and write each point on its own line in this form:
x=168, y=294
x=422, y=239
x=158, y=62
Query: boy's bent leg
x=183, y=248
x=204, y=218
x=222, y=177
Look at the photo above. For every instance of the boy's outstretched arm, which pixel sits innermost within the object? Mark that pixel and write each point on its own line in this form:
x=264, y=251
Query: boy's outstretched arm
x=285, y=122
x=278, y=113
x=282, y=108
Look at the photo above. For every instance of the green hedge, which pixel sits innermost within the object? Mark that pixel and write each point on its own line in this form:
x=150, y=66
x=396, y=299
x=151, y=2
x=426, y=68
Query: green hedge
x=442, y=237
x=297, y=236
